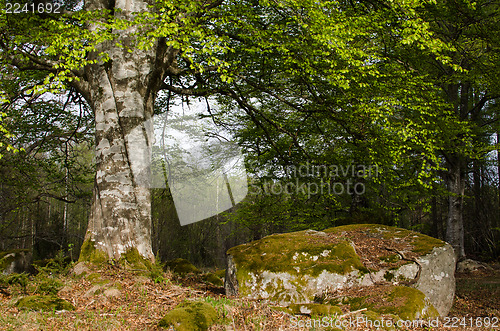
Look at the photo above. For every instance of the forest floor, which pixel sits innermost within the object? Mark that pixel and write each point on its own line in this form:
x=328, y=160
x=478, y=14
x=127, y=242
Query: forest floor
x=115, y=299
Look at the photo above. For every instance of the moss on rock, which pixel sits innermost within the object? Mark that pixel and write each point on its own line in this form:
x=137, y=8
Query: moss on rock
x=44, y=303
x=190, y=316
x=288, y=267
x=17, y=260
x=298, y=267
x=299, y=252
x=408, y=303
x=94, y=277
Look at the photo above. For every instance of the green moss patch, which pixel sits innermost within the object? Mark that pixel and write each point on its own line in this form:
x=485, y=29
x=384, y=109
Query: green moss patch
x=212, y=279
x=297, y=253
x=190, y=316
x=133, y=259
x=392, y=258
x=388, y=276
x=408, y=303
x=181, y=267
x=404, y=302
x=89, y=253
x=44, y=303
x=221, y=273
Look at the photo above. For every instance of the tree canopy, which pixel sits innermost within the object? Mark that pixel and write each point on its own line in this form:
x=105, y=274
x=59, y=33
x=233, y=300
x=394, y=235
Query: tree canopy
x=405, y=86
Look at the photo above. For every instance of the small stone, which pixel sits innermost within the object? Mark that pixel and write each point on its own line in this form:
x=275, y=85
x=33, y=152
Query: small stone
x=112, y=293
x=80, y=268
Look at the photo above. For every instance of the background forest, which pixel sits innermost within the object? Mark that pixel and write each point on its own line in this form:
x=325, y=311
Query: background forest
x=439, y=141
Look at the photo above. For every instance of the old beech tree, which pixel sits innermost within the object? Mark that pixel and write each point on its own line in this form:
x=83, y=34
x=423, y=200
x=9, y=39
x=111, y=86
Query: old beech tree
x=119, y=54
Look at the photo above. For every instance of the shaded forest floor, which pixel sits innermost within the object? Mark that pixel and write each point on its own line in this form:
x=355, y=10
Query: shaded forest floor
x=116, y=299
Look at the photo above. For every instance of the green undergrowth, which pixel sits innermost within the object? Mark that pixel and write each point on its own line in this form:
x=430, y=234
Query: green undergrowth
x=44, y=282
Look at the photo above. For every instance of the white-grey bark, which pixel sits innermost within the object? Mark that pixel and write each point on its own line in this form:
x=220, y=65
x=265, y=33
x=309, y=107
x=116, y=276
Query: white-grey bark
x=121, y=93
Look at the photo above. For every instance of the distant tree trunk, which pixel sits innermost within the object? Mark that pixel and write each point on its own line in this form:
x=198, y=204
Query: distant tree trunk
x=455, y=177
x=437, y=226
x=455, y=223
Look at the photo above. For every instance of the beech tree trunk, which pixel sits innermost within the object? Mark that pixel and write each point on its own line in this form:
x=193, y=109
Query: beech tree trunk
x=121, y=93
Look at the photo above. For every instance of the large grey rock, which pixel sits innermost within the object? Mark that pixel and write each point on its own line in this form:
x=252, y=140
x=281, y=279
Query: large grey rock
x=15, y=261
x=303, y=266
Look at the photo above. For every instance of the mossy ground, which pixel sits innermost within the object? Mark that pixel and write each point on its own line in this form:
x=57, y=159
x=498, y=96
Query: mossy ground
x=143, y=303
x=190, y=316
x=213, y=279
x=221, y=273
x=44, y=303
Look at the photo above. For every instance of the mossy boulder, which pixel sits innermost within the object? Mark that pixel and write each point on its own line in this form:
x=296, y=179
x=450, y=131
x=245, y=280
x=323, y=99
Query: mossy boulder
x=181, y=267
x=190, y=316
x=15, y=261
x=299, y=267
x=44, y=303
x=212, y=279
